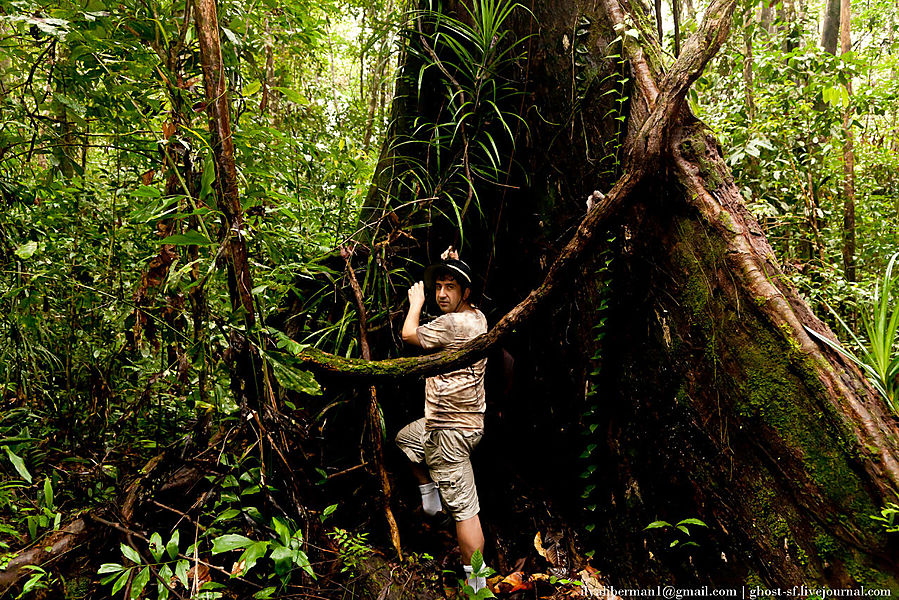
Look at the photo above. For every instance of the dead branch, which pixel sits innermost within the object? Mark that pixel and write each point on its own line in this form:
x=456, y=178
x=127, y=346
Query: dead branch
x=374, y=417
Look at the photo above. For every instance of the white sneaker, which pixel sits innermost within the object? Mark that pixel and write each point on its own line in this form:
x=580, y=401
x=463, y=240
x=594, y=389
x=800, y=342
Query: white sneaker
x=476, y=583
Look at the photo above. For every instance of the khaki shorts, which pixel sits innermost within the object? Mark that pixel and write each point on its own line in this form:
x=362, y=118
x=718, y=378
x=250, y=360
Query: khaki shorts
x=446, y=452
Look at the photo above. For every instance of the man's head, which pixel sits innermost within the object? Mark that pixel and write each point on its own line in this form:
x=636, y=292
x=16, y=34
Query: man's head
x=451, y=281
x=449, y=293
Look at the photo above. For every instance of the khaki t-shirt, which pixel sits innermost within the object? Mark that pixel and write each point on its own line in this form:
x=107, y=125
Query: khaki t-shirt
x=454, y=400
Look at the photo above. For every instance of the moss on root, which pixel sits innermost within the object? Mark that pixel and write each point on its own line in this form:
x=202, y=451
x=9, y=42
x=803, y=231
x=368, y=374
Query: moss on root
x=695, y=149
x=775, y=392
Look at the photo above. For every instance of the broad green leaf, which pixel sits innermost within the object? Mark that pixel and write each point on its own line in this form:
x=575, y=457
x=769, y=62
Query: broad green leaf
x=266, y=593
x=227, y=515
x=120, y=582
x=172, y=547
x=156, y=548
x=292, y=95
x=146, y=191
x=208, y=177
x=328, y=512
x=181, y=569
x=657, y=525
x=165, y=573
x=284, y=342
x=48, y=493
x=232, y=37
x=477, y=561
x=26, y=250
x=252, y=554
x=293, y=378
x=140, y=582
x=692, y=521
x=283, y=559
x=18, y=464
x=230, y=541
x=109, y=568
x=282, y=530
x=301, y=560
x=131, y=554
x=252, y=88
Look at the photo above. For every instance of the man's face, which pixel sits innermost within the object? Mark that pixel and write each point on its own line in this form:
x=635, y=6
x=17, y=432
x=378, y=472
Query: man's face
x=449, y=294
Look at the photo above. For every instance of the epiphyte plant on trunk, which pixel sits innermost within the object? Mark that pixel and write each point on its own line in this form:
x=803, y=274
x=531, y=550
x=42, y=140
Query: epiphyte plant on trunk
x=472, y=139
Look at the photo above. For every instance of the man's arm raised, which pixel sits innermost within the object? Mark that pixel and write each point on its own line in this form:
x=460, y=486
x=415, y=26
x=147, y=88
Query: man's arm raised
x=416, y=302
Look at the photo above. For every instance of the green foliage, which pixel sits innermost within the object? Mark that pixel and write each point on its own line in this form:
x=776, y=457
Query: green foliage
x=682, y=526
x=39, y=579
x=478, y=569
x=353, y=548
x=276, y=555
x=888, y=517
x=470, y=145
x=591, y=416
x=782, y=132
x=877, y=355
x=107, y=352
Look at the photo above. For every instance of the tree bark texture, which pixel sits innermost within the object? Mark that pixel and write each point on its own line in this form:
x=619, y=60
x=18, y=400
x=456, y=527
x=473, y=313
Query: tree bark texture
x=218, y=108
x=713, y=400
x=830, y=27
x=848, y=152
x=246, y=368
x=716, y=395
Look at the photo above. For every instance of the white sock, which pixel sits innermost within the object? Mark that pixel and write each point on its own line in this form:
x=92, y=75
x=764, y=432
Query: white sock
x=476, y=583
x=430, y=498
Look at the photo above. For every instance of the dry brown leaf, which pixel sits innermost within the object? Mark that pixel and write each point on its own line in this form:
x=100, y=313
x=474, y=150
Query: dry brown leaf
x=513, y=582
x=538, y=545
x=200, y=573
x=238, y=567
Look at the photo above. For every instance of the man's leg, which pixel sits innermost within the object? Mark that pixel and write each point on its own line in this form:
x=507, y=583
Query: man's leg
x=470, y=537
x=448, y=455
x=410, y=441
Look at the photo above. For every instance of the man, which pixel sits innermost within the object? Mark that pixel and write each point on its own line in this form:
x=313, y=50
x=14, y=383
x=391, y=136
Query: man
x=440, y=444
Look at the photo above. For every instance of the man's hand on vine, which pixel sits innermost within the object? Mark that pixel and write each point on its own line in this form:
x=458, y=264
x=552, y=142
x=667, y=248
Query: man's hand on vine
x=417, y=295
x=450, y=253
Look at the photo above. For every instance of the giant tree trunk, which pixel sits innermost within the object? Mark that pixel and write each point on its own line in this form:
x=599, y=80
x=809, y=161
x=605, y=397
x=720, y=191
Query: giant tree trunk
x=713, y=400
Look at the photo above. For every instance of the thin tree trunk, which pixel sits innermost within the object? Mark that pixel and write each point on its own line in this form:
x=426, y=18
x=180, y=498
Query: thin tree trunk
x=218, y=107
x=765, y=16
x=65, y=148
x=659, y=31
x=675, y=10
x=269, y=73
x=830, y=26
x=748, y=63
x=248, y=374
x=375, y=93
x=849, y=270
